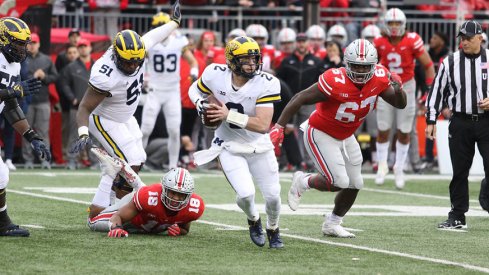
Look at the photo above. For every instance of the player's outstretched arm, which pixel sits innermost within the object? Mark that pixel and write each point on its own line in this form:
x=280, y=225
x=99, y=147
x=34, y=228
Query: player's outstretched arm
x=124, y=214
x=308, y=96
x=160, y=33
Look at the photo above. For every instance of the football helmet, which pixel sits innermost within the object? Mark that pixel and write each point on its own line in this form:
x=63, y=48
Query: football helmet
x=14, y=37
x=180, y=181
x=315, y=32
x=286, y=35
x=370, y=32
x=338, y=33
x=239, y=47
x=161, y=18
x=360, y=60
x=129, y=51
x=235, y=33
x=257, y=31
x=395, y=15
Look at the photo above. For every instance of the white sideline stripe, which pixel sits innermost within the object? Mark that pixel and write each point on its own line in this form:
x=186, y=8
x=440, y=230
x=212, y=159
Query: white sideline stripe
x=369, y=249
x=33, y=226
x=411, y=194
x=382, y=251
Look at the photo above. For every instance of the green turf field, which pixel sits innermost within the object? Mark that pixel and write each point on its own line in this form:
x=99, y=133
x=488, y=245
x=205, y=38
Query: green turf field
x=396, y=232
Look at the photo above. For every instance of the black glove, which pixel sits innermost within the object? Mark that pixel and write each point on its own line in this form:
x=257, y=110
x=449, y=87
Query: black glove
x=175, y=14
x=83, y=142
x=37, y=145
x=22, y=89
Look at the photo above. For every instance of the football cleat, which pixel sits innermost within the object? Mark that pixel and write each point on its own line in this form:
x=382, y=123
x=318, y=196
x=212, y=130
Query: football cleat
x=13, y=230
x=274, y=239
x=110, y=166
x=453, y=224
x=256, y=232
x=335, y=230
x=399, y=178
x=131, y=177
x=296, y=190
x=382, y=171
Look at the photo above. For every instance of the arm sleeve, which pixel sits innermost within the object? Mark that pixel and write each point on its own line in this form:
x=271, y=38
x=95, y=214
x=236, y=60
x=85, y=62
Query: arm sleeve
x=434, y=101
x=271, y=93
x=159, y=34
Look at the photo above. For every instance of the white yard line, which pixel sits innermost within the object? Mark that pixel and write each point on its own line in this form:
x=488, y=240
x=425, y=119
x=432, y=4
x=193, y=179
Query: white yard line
x=365, y=248
x=419, y=195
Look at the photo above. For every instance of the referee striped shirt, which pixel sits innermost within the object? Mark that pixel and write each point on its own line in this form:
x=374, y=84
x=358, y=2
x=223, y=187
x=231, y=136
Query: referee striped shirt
x=460, y=83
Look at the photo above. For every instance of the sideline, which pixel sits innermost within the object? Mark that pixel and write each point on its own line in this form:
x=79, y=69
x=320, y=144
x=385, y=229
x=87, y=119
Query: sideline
x=365, y=248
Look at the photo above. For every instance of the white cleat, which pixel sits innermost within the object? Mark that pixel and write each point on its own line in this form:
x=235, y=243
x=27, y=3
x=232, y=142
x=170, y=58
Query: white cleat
x=131, y=177
x=10, y=165
x=296, y=190
x=109, y=165
x=335, y=230
x=382, y=171
x=399, y=178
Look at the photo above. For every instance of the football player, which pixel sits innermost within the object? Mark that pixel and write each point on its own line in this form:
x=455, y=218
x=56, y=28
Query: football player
x=398, y=51
x=268, y=53
x=338, y=33
x=170, y=205
x=163, y=77
x=241, y=141
x=315, y=39
x=343, y=98
x=370, y=32
x=14, y=37
x=112, y=96
x=286, y=39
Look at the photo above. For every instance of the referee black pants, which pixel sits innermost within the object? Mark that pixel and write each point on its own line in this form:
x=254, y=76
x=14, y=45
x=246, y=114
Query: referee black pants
x=463, y=133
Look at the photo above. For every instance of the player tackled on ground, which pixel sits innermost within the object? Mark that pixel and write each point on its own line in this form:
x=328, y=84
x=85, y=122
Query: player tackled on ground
x=170, y=205
x=343, y=98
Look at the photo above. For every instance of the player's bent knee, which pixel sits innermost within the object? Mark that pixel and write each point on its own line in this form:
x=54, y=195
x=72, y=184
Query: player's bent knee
x=342, y=182
x=356, y=184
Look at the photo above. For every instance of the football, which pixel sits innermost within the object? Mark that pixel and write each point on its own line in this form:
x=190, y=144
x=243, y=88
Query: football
x=206, y=120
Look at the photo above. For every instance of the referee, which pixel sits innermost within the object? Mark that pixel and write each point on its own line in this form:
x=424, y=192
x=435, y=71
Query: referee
x=461, y=83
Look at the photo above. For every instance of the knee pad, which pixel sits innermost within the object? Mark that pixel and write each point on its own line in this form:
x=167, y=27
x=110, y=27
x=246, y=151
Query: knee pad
x=4, y=176
x=342, y=182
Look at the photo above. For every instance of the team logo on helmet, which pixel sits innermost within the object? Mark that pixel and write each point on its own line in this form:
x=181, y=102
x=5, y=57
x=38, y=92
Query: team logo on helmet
x=14, y=37
x=239, y=48
x=177, y=180
x=129, y=51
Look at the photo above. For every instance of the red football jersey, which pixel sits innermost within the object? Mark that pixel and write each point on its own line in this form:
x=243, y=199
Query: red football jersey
x=267, y=57
x=321, y=53
x=400, y=58
x=153, y=214
x=347, y=105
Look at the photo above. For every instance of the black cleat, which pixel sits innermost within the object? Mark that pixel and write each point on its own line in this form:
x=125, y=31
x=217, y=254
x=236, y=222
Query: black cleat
x=453, y=224
x=13, y=230
x=256, y=232
x=274, y=239
x=484, y=195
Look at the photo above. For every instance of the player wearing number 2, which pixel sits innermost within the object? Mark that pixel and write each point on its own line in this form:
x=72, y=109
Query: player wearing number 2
x=163, y=77
x=343, y=98
x=170, y=205
x=107, y=108
x=241, y=141
x=398, y=51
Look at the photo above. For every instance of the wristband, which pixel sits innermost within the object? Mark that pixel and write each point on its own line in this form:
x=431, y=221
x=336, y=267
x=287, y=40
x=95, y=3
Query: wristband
x=31, y=135
x=237, y=119
x=82, y=131
x=194, y=71
x=278, y=126
x=429, y=81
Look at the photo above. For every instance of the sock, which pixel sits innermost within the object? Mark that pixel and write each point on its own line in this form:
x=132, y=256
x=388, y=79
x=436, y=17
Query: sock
x=247, y=204
x=272, y=207
x=382, y=151
x=305, y=181
x=401, y=155
x=4, y=218
x=319, y=182
x=102, y=195
x=333, y=218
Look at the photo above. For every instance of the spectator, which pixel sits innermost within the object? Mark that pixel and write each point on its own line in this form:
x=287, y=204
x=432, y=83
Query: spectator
x=334, y=58
x=62, y=60
x=73, y=82
x=39, y=110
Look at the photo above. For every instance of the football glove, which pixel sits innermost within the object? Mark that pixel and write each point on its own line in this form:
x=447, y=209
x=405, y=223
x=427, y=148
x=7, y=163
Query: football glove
x=22, y=89
x=83, y=142
x=174, y=230
x=117, y=232
x=201, y=104
x=396, y=82
x=277, y=135
x=37, y=145
x=175, y=14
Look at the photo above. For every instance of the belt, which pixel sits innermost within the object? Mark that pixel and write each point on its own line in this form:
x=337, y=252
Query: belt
x=473, y=117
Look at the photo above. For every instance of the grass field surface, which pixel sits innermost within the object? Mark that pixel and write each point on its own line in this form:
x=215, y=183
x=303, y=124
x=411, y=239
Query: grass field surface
x=395, y=232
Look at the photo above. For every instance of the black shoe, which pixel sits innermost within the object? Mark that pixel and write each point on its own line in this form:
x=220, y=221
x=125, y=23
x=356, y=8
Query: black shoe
x=13, y=230
x=484, y=195
x=453, y=224
x=274, y=239
x=256, y=232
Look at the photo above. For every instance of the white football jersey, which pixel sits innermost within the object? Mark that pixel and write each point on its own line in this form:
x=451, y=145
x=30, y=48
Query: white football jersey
x=9, y=75
x=124, y=90
x=261, y=90
x=163, y=66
